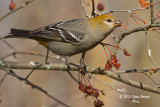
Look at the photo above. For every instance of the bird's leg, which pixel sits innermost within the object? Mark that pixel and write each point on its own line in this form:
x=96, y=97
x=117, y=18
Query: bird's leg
x=82, y=65
x=46, y=60
x=82, y=58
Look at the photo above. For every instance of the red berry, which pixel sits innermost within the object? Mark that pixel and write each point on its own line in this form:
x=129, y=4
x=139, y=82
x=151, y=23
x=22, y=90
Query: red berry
x=118, y=66
x=98, y=103
x=126, y=52
x=113, y=57
x=95, y=92
x=100, y=7
x=12, y=5
x=108, y=65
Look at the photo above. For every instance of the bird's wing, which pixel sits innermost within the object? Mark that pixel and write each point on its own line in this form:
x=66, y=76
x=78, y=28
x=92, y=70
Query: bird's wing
x=68, y=31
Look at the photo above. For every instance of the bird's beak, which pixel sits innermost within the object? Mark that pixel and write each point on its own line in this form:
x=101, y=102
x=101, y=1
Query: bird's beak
x=118, y=23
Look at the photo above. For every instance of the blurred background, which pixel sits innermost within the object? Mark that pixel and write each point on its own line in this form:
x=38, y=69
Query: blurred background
x=14, y=93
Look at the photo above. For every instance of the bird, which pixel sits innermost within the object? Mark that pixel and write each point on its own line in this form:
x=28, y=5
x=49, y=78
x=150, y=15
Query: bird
x=71, y=37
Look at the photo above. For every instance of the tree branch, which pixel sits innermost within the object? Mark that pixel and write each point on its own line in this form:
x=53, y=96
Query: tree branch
x=122, y=35
x=129, y=82
x=134, y=30
x=62, y=67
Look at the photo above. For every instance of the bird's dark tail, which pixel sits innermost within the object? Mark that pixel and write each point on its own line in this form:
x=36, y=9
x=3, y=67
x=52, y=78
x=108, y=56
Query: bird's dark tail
x=18, y=33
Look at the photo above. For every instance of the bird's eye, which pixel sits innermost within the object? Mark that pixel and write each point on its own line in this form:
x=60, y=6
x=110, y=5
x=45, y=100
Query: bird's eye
x=109, y=20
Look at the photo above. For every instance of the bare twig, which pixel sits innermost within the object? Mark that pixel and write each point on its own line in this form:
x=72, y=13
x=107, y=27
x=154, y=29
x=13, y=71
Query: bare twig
x=18, y=8
x=32, y=71
x=31, y=53
x=137, y=9
x=93, y=9
x=3, y=78
x=9, y=45
x=152, y=12
x=151, y=78
x=148, y=47
x=68, y=71
x=85, y=11
x=128, y=11
x=10, y=72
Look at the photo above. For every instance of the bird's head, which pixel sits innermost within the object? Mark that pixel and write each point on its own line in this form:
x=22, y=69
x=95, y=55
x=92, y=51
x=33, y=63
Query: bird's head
x=104, y=24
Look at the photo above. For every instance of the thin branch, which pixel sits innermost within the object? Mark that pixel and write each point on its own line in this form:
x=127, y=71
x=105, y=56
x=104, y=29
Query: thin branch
x=32, y=71
x=93, y=9
x=128, y=11
x=137, y=9
x=68, y=71
x=10, y=72
x=148, y=47
x=151, y=11
x=3, y=78
x=9, y=45
x=18, y=8
x=31, y=53
x=135, y=71
x=84, y=9
x=151, y=78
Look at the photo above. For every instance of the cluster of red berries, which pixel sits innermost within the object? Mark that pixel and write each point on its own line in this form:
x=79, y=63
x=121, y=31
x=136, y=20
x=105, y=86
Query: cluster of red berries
x=114, y=62
x=89, y=90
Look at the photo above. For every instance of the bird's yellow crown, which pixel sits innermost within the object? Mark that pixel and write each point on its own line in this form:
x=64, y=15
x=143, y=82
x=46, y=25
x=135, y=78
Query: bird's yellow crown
x=99, y=21
x=102, y=17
